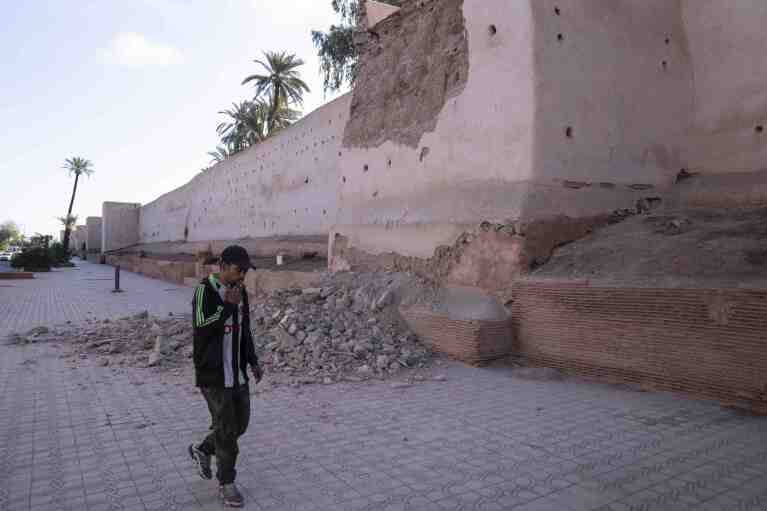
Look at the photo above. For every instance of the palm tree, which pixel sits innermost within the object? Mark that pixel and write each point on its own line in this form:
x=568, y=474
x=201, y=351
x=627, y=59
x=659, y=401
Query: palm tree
x=76, y=166
x=245, y=127
x=282, y=83
x=220, y=154
x=68, y=222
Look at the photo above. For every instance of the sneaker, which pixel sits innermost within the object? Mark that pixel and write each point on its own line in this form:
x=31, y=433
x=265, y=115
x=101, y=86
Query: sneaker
x=231, y=495
x=201, y=461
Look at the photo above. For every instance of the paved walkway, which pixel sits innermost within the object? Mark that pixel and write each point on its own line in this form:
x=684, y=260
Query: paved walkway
x=75, y=294
x=97, y=439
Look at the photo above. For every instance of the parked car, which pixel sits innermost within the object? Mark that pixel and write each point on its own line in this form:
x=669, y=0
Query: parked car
x=5, y=256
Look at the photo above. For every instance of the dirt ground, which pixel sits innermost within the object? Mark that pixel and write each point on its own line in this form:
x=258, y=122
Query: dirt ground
x=695, y=248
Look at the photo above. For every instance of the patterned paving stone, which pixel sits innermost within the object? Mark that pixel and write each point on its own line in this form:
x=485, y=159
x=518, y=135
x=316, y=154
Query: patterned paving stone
x=75, y=294
x=100, y=438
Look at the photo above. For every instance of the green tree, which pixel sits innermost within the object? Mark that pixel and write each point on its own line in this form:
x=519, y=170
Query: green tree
x=338, y=53
x=9, y=233
x=77, y=166
x=220, y=154
x=245, y=126
x=281, y=83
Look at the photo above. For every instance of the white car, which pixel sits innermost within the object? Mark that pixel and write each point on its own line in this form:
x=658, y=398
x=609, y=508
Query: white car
x=5, y=256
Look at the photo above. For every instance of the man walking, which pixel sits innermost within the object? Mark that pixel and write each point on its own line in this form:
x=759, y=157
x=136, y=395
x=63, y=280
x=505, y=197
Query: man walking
x=223, y=346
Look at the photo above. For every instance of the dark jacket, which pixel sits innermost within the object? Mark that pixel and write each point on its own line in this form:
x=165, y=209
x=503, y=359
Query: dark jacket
x=209, y=315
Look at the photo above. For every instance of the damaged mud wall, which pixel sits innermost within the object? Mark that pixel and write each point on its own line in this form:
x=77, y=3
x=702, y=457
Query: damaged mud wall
x=566, y=115
x=284, y=186
x=488, y=256
x=414, y=61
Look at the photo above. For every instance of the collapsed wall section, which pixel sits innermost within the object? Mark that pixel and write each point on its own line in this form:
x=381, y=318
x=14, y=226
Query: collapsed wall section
x=284, y=186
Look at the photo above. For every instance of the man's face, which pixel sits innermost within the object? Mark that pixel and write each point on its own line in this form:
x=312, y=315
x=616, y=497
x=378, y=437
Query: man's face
x=231, y=274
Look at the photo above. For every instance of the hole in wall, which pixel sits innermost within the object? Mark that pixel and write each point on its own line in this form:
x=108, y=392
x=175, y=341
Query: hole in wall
x=759, y=129
x=557, y=11
x=682, y=175
x=569, y=132
x=492, y=30
x=560, y=37
x=343, y=179
x=365, y=168
x=388, y=163
x=664, y=64
x=424, y=153
x=668, y=41
x=375, y=194
x=306, y=181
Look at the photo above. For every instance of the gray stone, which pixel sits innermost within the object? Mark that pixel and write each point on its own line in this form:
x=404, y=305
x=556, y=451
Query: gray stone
x=301, y=335
x=285, y=341
x=361, y=349
x=292, y=329
x=313, y=338
x=382, y=362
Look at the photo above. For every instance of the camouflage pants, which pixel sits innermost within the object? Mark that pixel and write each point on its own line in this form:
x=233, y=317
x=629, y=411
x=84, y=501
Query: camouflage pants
x=230, y=416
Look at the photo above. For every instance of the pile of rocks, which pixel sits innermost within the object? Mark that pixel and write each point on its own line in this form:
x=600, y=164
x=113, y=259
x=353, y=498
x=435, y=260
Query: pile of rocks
x=138, y=340
x=345, y=330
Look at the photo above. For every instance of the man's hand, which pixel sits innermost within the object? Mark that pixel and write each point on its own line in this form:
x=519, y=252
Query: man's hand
x=256, y=372
x=233, y=295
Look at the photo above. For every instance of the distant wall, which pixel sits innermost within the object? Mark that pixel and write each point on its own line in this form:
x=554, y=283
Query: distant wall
x=78, y=236
x=93, y=242
x=285, y=185
x=120, y=222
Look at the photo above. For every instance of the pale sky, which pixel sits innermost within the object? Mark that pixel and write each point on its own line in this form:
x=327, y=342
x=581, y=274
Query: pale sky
x=132, y=85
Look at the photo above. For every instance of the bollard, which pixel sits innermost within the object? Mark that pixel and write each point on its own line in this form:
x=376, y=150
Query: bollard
x=117, y=280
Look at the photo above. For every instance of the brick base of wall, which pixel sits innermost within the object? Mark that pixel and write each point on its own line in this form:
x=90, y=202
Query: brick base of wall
x=709, y=342
x=169, y=271
x=13, y=275
x=471, y=341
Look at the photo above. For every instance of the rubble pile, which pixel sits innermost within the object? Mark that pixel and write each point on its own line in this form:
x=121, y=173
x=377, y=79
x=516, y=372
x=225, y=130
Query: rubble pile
x=346, y=330
x=138, y=340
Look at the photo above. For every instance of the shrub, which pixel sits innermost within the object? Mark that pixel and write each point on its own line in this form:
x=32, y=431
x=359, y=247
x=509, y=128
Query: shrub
x=59, y=256
x=33, y=259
